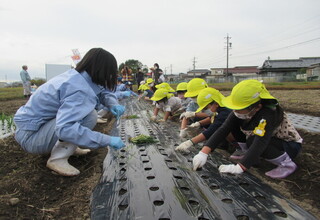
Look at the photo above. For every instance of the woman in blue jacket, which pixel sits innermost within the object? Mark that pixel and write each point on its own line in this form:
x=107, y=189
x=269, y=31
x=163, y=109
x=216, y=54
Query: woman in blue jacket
x=61, y=114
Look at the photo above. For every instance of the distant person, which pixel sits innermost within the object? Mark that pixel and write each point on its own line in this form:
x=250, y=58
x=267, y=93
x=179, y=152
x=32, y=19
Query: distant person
x=126, y=73
x=139, y=76
x=60, y=116
x=157, y=73
x=26, y=81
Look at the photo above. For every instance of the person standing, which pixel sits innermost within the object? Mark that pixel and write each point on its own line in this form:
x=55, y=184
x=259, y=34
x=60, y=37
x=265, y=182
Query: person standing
x=157, y=73
x=26, y=81
x=126, y=73
x=139, y=76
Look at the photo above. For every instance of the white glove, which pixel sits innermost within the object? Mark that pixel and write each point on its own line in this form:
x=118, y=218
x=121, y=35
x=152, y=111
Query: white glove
x=231, y=168
x=190, y=114
x=153, y=118
x=195, y=125
x=182, y=115
x=183, y=133
x=199, y=160
x=184, y=146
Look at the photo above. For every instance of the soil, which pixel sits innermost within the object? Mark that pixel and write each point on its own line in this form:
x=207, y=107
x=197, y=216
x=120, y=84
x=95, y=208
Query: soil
x=28, y=190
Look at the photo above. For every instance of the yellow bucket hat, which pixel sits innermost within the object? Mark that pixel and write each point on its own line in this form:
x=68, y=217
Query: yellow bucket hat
x=165, y=86
x=245, y=93
x=182, y=87
x=208, y=95
x=149, y=80
x=160, y=94
x=194, y=86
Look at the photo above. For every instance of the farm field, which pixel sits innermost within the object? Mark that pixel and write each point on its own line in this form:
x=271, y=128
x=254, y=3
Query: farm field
x=39, y=194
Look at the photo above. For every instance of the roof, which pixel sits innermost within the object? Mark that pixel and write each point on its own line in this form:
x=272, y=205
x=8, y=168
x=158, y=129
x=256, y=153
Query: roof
x=199, y=71
x=302, y=62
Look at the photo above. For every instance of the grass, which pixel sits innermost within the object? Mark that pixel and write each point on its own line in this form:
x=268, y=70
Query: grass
x=11, y=93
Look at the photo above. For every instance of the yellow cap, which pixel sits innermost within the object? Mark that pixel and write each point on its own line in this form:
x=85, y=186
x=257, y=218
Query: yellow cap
x=208, y=95
x=195, y=86
x=165, y=86
x=149, y=80
x=246, y=93
x=144, y=87
x=140, y=87
x=160, y=94
x=182, y=87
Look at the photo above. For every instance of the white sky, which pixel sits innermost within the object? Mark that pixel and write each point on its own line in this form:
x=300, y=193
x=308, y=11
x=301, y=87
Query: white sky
x=169, y=32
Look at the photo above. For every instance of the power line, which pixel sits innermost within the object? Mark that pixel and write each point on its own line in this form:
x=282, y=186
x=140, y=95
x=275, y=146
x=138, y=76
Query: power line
x=281, y=48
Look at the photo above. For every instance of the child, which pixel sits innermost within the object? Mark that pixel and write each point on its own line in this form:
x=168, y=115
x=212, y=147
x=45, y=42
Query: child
x=269, y=133
x=147, y=89
x=166, y=102
x=208, y=98
x=60, y=116
x=193, y=89
x=181, y=90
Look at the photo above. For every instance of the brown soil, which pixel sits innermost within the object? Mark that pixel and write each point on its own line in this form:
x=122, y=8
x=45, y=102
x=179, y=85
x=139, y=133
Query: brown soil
x=40, y=194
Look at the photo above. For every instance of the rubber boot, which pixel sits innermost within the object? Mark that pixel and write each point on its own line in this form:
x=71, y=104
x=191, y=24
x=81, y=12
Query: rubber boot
x=58, y=160
x=241, y=149
x=285, y=167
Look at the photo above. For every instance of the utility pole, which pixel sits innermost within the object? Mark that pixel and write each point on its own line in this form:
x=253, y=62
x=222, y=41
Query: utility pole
x=228, y=47
x=171, y=69
x=194, y=66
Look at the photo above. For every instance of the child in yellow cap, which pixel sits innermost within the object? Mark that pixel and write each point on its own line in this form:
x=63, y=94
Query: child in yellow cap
x=194, y=87
x=209, y=98
x=270, y=134
x=166, y=102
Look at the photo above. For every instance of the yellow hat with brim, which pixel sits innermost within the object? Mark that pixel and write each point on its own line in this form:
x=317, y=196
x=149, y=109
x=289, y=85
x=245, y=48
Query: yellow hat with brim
x=149, y=80
x=165, y=86
x=246, y=93
x=195, y=86
x=208, y=95
x=182, y=87
x=160, y=94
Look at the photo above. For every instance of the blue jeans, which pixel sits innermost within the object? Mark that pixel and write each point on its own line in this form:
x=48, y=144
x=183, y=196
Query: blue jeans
x=43, y=140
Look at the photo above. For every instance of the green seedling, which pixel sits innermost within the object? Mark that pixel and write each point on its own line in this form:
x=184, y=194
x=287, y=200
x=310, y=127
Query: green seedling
x=143, y=139
x=131, y=116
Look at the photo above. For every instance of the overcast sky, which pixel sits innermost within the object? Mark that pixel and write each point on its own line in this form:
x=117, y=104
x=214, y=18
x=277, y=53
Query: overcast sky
x=169, y=32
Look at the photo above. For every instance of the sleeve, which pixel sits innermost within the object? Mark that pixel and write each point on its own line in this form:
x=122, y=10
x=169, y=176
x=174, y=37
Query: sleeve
x=259, y=143
x=218, y=121
x=23, y=76
x=108, y=98
x=74, y=108
x=222, y=132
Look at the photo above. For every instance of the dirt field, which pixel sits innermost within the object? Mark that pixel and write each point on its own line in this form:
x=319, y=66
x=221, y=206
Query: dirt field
x=28, y=190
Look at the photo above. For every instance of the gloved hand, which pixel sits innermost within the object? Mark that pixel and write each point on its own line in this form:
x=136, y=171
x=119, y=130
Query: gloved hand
x=125, y=94
x=184, y=146
x=182, y=115
x=231, y=168
x=116, y=142
x=199, y=160
x=190, y=114
x=195, y=125
x=161, y=120
x=117, y=110
x=183, y=133
x=134, y=94
x=153, y=118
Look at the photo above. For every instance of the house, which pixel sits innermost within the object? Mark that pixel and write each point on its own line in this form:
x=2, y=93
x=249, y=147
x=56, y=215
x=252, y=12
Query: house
x=234, y=74
x=198, y=73
x=287, y=69
x=313, y=72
